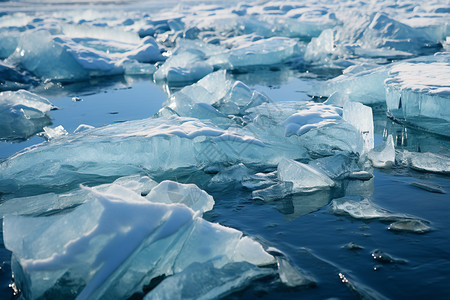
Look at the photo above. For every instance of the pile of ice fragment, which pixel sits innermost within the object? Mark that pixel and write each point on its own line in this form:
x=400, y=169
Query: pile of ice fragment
x=122, y=242
x=22, y=114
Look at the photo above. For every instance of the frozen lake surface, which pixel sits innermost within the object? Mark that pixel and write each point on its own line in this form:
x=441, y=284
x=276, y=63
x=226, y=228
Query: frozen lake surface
x=208, y=150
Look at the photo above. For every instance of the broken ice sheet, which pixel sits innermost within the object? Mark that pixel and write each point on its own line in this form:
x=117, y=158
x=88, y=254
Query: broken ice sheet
x=22, y=114
x=160, y=239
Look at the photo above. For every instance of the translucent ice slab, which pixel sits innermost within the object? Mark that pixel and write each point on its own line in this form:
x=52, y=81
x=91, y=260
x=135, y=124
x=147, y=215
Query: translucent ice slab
x=120, y=243
x=22, y=114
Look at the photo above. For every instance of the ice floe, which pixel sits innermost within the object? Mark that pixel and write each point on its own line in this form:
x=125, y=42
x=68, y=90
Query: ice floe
x=22, y=114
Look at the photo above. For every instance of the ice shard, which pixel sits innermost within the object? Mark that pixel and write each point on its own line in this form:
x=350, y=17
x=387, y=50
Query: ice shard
x=383, y=156
x=360, y=116
x=304, y=177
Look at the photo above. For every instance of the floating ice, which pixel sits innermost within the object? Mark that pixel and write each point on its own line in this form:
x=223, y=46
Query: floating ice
x=215, y=97
x=51, y=133
x=416, y=91
x=291, y=276
x=416, y=226
x=366, y=86
x=428, y=186
x=204, y=281
x=12, y=79
x=338, y=166
x=231, y=174
x=264, y=52
x=383, y=156
x=304, y=177
x=427, y=162
x=51, y=203
x=274, y=192
x=113, y=255
x=189, y=62
x=22, y=114
x=366, y=210
x=188, y=194
x=150, y=145
x=315, y=117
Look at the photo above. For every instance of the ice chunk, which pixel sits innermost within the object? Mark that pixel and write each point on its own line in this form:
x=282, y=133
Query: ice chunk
x=274, y=192
x=112, y=255
x=189, y=194
x=315, y=116
x=150, y=145
x=378, y=30
x=147, y=52
x=190, y=61
x=428, y=186
x=264, y=52
x=338, y=166
x=350, y=86
x=361, y=117
x=321, y=48
x=269, y=120
x=428, y=162
x=204, y=281
x=83, y=127
x=366, y=210
x=22, y=114
x=416, y=92
x=58, y=57
x=231, y=174
x=51, y=203
x=305, y=178
x=362, y=209
x=415, y=226
x=12, y=79
x=291, y=276
x=51, y=133
x=383, y=156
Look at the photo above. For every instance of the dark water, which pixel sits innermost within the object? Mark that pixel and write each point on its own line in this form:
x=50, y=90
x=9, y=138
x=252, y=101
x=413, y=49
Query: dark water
x=301, y=227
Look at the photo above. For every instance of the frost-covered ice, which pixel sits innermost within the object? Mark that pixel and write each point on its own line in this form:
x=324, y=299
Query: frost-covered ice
x=51, y=133
x=22, y=114
x=159, y=239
